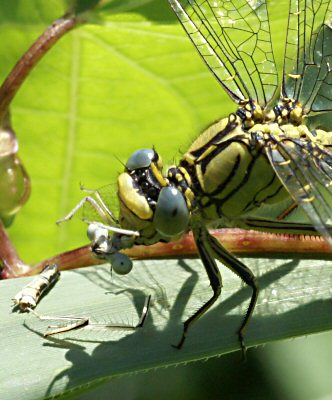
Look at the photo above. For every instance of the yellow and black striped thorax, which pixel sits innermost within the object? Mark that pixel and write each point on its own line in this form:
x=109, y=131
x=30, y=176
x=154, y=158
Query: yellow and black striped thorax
x=230, y=172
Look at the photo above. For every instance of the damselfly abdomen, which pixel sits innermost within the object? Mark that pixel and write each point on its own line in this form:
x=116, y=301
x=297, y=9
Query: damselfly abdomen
x=29, y=296
x=256, y=167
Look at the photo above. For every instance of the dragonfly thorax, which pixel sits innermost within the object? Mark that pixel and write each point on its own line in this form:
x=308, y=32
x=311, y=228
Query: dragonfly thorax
x=230, y=173
x=288, y=111
x=250, y=113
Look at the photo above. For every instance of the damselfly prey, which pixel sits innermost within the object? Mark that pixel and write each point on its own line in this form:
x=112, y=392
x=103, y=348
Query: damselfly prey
x=71, y=323
x=29, y=296
x=254, y=169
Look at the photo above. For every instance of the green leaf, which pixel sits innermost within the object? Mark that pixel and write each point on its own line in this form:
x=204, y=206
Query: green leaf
x=102, y=92
x=295, y=299
x=129, y=79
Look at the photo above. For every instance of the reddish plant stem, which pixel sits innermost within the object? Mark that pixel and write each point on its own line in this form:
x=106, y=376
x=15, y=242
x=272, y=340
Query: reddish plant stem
x=239, y=242
x=77, y=258
x=29, y=60
x=12, y=265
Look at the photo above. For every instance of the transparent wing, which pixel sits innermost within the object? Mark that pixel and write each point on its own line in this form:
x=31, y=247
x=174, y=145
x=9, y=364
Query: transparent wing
x=107, y=210
x=307, y=178
x=320, y=121
x=233, y=38
x=307, y=74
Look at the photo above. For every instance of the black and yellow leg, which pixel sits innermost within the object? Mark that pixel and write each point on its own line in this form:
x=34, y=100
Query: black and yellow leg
x=219, y=252
x=210, y=249
x=214, y=277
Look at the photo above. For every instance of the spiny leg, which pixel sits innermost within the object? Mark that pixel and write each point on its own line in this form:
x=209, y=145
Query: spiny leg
x=86, y=199
x=215, y=281
x=74, y=323
x=113, y=228
x=101, y=212
x=140, y=323
x=244, y=273
x=99, y=200
x=80, y=322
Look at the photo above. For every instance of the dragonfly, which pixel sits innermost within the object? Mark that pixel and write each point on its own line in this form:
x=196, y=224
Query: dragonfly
x=261, y=167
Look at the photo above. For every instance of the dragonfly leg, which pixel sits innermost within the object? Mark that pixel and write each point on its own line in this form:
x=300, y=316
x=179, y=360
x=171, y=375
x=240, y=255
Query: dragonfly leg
x=215, y=281
x=244, y=273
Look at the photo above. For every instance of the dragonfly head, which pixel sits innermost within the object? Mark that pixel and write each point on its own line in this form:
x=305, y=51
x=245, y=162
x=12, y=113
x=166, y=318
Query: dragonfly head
x=149, y=204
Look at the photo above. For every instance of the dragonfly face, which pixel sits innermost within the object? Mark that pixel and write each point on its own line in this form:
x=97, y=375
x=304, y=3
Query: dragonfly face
x=149, y=204
x=253, y=168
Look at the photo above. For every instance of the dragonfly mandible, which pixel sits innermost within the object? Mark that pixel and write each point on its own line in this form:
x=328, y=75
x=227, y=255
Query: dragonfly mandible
x=250, y=170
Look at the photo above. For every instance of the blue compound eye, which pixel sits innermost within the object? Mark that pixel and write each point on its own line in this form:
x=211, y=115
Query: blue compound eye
x=140, y=159
x=171, y=217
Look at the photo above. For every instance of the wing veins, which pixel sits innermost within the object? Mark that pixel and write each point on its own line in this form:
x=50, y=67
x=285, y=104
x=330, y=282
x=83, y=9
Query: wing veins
x=237, y=51
x=307, y=194
x=307, y=43
x=222, y=47
x=237, y=54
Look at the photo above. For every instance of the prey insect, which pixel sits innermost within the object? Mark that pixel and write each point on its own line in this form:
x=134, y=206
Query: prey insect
x=29, y=296
x=265, y=164
x=74, y=323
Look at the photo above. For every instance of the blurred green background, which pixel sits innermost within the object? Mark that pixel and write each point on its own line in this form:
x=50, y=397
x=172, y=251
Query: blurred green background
x=131, y=79
x=294, y=370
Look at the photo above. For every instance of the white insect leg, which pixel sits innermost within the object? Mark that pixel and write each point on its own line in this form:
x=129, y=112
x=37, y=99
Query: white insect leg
x=113, y=228
x=93, y=203
x=140, y=323
x=99, y=200
x=74, y=323
x=80, y=322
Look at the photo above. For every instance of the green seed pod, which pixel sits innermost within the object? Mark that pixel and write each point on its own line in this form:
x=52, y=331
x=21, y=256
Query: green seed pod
x=14, y=180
